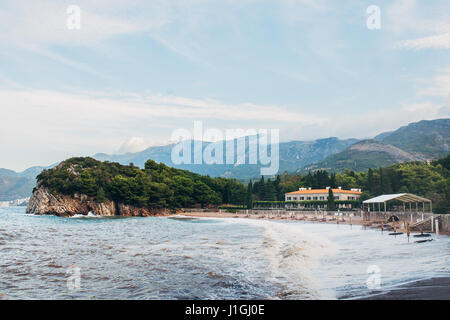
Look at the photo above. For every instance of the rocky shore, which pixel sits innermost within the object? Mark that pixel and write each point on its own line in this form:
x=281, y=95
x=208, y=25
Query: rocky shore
x=43, y=202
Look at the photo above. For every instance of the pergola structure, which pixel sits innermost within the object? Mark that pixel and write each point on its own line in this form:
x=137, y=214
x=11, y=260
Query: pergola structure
x=404, y=198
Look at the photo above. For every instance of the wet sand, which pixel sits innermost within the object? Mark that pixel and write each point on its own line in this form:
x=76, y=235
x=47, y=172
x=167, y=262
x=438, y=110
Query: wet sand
x=301, y=216
x=430, y=289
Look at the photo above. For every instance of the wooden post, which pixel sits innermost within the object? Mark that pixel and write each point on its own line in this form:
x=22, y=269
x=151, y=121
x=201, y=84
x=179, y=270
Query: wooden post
x=432, y=224
x=437, y=226
x=408, y=231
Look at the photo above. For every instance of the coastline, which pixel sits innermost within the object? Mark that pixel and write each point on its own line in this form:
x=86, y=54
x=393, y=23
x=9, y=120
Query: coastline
x=428, y=289
x=436, y=288
x=302, y=216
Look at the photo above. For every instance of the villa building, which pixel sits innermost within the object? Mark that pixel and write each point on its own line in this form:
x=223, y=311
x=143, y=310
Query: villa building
x=308, y=194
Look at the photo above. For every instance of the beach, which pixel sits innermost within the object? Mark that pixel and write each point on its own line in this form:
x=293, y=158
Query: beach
x=435, y=288
x=430, y=289
x=211, y=256
x=348, y=218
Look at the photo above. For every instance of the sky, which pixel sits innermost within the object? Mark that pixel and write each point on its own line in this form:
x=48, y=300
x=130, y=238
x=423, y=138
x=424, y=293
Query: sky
x=135, y=71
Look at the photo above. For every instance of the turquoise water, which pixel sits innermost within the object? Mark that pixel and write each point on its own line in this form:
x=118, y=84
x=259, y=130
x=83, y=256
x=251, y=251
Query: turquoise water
x=46, y=257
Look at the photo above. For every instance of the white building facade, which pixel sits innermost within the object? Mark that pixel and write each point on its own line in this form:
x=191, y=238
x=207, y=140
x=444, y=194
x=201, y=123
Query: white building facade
x=308, y=194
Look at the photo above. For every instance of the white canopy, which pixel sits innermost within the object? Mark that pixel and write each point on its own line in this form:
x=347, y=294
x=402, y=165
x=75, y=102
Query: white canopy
x=403, y=197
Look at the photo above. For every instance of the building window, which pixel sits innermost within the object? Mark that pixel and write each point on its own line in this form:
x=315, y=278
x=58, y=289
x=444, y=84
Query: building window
x=322, y=198
x=336, y=198
x=302, y=198
x=308, y=198
x=289, y=198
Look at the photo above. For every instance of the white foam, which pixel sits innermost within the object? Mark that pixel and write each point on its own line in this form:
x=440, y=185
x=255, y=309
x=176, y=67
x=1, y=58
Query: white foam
x=89, y=215
x=293, y=254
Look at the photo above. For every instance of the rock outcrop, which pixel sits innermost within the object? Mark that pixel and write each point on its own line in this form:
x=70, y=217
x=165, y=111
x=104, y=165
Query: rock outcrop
x=43, y=202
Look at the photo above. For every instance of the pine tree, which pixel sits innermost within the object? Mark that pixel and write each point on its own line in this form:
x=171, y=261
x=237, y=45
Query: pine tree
x=250, y=195
x=262, y=189
x=370, y=181
x=227, y=194
x=270, y=192
x=100, y=195
x=278, y=189
x=331, y=204
x=333, y=180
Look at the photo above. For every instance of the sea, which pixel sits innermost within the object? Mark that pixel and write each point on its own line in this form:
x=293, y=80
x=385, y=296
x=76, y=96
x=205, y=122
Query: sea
x=89, y=257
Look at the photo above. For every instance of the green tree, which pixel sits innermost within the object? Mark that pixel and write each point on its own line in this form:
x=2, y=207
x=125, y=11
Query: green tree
x=370, y=181
x=100, y=195
x=250, y=195
x=262, y=189
x=331, y=204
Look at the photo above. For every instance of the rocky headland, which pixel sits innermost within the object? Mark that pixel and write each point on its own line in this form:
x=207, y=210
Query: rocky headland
x=43, y=202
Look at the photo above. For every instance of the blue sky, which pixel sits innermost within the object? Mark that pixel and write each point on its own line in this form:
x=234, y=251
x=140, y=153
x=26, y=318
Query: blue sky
x=138, y=70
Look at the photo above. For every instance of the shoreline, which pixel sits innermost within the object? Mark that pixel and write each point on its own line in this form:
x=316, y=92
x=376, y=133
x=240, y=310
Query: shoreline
x=310, y=217
x=437, y=288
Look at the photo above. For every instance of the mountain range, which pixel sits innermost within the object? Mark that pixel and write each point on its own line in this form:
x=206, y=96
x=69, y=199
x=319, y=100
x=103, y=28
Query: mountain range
x=419, y=141
x=293, y=155
x=17, y=185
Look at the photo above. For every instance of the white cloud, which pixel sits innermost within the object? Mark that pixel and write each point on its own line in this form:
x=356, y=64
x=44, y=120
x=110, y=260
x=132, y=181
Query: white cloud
x=45, y=126
x=441, y=41
x=412, y=19
x=44, y=23
x=133, y=105
x=136, y=144
x=437, y=86
x=370, y=123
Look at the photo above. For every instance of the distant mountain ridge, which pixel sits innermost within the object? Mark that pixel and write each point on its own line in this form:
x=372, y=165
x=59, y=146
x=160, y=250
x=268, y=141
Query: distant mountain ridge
x=17, y=185
x=293, y=155
x=423, y=140
x=364, y=155
x=418, y=141
x=426, y=138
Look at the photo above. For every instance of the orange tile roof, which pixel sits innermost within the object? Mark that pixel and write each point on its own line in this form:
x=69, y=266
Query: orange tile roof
x=323, y=191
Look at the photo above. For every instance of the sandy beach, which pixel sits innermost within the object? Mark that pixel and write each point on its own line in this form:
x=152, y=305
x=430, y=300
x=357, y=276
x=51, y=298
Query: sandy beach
x=430, y=289
x=345, y=218
x=437, y=288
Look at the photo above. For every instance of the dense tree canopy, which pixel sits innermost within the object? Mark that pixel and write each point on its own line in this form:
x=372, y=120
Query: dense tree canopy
x=428, y=180
x=155, y=186
x=158, y=185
